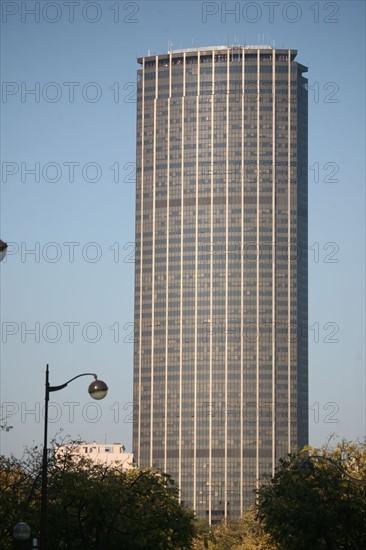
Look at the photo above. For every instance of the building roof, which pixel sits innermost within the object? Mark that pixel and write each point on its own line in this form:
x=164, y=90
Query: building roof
x=214, y=48
x=208, y=49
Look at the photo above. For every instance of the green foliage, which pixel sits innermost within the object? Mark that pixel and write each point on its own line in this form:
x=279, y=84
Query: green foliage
x=316, y=505
x=93, y=506
x=245, y=534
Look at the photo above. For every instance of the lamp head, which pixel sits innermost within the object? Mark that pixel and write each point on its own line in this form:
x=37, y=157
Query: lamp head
x=98, y=389
x=21, y=531
x=3, y=247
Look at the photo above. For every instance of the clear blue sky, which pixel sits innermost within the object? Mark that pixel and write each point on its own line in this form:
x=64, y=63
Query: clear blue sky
x=81, y=61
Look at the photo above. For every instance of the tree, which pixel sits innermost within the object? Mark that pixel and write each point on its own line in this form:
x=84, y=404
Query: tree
x=93, y=506
x=315, y=503
x=244, y=534
x=4, y=424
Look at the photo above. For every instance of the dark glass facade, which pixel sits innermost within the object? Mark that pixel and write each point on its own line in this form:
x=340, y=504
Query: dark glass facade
x=221, y=351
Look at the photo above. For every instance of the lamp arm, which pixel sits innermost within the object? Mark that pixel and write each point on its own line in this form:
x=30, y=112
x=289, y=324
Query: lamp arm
x=62, y=386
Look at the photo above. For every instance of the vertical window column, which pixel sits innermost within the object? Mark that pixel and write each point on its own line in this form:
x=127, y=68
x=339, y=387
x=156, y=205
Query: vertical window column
x=153, y=269
x=167, y=271
x=273, y=407
x=288, y=252
x=257, y=273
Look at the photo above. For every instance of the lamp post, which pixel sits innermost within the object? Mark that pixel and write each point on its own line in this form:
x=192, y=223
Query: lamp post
x=97, y=390
x=3, y=247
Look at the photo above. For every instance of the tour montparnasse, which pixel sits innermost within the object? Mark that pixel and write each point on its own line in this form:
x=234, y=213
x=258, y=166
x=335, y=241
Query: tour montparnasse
x=221, y=272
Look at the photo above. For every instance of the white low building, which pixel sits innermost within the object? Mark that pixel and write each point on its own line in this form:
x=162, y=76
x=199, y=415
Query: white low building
x=103, y=453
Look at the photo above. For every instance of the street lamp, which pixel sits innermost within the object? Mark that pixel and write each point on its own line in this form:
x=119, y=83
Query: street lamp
x=308, y=465
x=3, y=247
x=97, y=390
x=21, y=531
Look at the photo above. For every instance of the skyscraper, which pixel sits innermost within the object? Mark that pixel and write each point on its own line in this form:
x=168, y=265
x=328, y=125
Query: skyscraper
x=221, y=352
